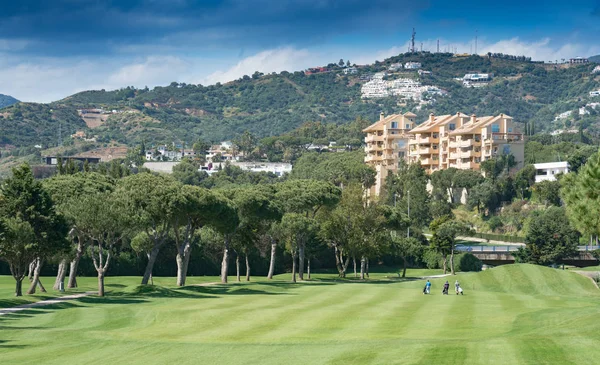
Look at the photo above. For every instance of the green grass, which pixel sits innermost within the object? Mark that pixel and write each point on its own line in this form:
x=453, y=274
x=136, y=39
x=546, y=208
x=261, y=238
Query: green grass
x=514, y=314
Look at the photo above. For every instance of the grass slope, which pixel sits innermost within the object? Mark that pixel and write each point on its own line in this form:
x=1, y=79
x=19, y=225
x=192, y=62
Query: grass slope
x=519, y=314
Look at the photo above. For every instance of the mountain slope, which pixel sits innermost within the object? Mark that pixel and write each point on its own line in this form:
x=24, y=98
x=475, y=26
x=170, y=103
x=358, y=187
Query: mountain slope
x=273, y=104
x=7, y=100
x=595, y=59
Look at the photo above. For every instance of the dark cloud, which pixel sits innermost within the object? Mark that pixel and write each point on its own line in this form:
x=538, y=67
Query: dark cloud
x=85, y=24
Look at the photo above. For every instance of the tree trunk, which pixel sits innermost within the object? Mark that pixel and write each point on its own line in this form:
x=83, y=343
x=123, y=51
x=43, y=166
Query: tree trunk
x=362, y=268
x=32, y=265
x=404, y=269
x=308, y=268
x=150, y=265
x=452, y=263
x=237, y=267
x=225, y=262
x=367, y=267
x=60, y=276
x=444, y=264
x=354, y=262
x=247, y=269
x=19, y=287
x=100, y=283
x=301, y=262
x=183, y=261
x=294, y=268
x=272, y=263
x=36, y=278
x=75, y=264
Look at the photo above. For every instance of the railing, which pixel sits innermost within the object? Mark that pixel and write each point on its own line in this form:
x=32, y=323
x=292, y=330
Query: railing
x=463, y=248
x=499, y=237
x=487, y=248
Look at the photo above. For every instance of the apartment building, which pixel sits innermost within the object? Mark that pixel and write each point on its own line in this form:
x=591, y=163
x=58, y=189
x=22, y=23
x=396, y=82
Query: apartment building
x=464, y=141
x=386, y=144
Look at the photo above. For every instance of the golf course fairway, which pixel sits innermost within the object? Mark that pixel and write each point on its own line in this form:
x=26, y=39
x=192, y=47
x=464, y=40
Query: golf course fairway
x=514, y=314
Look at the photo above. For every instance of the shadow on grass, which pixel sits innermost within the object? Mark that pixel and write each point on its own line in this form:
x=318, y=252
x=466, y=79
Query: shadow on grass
x=5, y=345
x=217, y=290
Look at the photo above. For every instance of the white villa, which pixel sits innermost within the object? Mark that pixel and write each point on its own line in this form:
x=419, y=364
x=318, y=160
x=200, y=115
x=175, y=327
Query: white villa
x=548, y=171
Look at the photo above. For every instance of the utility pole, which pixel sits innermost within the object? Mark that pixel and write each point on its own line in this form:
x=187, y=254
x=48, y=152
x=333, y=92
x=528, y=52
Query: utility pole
x=438, y=46
x=408, y=230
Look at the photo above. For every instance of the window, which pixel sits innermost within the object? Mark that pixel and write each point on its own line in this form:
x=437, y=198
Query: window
x=435, y=146
x=509, y=129
x=495, y=128
x=435, y=135
x=401, y=154
x=394, y=125
x=506, y=149
x=452, y=126
x=407, y=126
x=401, y=143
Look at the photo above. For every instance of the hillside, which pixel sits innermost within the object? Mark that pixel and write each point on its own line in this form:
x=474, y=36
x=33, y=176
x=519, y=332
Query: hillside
x=7, y=100
x=273, y=104
x=595, y=59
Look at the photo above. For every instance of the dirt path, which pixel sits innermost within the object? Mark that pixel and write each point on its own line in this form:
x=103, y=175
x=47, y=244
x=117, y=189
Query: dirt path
x=42, y=303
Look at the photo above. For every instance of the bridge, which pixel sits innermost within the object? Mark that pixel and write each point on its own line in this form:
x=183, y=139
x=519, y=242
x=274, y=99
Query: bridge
x=500, y=255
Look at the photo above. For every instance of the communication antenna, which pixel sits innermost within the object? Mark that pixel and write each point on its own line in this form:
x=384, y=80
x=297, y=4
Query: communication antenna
x=421, y=47
x=412, y=41
x=475, y=41
x=438, y=46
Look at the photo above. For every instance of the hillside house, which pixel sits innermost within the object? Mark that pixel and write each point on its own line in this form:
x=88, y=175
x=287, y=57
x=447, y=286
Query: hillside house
x=412, y=65
x=548, y=171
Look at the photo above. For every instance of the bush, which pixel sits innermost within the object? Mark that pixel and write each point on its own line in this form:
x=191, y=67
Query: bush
x=432, y=259
x=468, y=262
x=495, y=223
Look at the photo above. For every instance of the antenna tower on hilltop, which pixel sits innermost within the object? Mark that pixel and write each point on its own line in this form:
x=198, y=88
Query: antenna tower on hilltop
x=475, y=41
x=438, y=46
x=412, y=41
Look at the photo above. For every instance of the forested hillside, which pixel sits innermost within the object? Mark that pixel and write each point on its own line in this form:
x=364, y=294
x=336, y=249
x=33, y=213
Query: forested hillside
x=7, y=100
x=274, y=104
x=595, y=59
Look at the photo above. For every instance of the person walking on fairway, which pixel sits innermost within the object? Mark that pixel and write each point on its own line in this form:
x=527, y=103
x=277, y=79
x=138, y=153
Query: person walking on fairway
x=446, y=287
x=456, y=286
x=427, y=288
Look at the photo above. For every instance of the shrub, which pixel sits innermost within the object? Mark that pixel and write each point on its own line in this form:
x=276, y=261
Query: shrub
x=495, y=223
x=432, y=259
x=468, y=262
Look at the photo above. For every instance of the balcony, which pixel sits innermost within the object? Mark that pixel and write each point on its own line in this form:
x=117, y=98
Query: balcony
x=469, y=165
x=470, y=153
x=374, y=158
x=504, y=138
x=469, y=143
x=426, y=151
x=425, y=140
x=372, y=138
x=453, y=144
x=453, y=155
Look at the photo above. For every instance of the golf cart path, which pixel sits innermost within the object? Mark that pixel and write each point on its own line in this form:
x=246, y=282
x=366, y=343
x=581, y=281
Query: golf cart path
x=435, y=276
x=42, y=303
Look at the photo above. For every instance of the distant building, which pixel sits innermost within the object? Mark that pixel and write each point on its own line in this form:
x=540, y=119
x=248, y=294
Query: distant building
x=412, y=65
x=595, y=93
x=387, y=144
x=395, y=67
x=578, y=61
x=350, y=71
x=548, y=171
x=463, y=142
x=316, y=70
x=475, y=80
x=53, y=160
x=596, y=70
x=423, y=72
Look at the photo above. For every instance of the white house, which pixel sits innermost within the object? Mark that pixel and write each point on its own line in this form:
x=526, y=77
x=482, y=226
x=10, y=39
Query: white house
x=412, y=65
x=350, y=71
x=595, y=93
x=596, y=70
x=395, y=67
x=548, y=171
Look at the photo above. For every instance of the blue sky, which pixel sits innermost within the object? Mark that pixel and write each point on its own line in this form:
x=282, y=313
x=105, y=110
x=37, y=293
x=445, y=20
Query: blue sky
x=50, y=49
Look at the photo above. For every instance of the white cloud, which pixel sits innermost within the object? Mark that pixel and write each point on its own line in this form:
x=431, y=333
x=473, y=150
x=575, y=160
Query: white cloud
x=276, y=60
